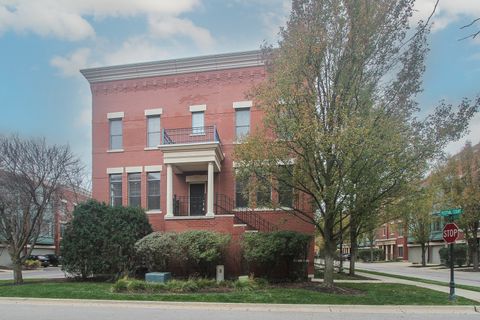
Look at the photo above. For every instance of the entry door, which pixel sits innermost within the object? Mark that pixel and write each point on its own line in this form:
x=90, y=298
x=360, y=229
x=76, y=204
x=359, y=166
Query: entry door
x=197, y=199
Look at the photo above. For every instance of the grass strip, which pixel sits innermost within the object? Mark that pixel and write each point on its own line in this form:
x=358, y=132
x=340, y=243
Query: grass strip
x=371, y=294
x=440, y=283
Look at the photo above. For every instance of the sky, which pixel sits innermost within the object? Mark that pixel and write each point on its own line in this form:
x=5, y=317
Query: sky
x=44, y=44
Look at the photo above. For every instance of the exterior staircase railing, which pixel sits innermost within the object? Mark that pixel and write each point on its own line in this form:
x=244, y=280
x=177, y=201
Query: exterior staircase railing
x=248, y=216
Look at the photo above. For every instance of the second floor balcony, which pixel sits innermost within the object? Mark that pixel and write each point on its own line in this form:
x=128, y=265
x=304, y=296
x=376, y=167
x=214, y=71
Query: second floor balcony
x=194, y=135
x=191, y=149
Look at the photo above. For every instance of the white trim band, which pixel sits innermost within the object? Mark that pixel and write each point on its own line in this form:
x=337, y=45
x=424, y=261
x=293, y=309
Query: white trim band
x=116, y=115
x=153, y=112
x=133, y=169
x=198, y=108
x=242, y=104
x=153, y=168
x=114, y=170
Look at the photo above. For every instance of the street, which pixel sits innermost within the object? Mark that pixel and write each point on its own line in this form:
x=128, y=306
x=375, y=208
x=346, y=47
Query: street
x=430, y=273
x=20, y=309
x=43, y=273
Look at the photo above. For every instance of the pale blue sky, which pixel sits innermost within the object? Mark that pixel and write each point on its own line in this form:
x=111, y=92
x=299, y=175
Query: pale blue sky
x=43, y=44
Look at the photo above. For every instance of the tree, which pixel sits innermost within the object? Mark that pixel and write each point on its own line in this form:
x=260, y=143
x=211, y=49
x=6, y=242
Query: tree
x=459, y=179
x=418, y=209
x=33, y=176
x=339, y=101
x=100, y=240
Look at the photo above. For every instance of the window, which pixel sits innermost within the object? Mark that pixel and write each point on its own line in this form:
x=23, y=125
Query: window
x=264, y=194
x=285, y=191
x=134, y=187
x=116, y=136
x=241, y=199
x=400, y=230
x=198, y=122
x=115, y=190
x=384, y=230
x=242, y=123
x=153, y=131
x=62, y=229
x=153, y=190
x=400, y=252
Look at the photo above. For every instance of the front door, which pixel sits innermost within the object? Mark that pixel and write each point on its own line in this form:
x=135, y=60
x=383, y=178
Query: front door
x=197, y=199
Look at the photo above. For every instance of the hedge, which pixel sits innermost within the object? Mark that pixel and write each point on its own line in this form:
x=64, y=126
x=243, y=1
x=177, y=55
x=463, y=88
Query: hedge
x=459, y=252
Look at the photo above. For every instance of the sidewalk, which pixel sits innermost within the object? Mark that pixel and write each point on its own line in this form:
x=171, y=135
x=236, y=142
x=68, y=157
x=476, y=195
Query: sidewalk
x=472, y=295
x=260, y=307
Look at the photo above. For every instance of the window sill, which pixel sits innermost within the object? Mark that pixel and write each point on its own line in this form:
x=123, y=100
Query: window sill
x=115, y=150
x=189, y=217
x=153, y=211
x=150, y=148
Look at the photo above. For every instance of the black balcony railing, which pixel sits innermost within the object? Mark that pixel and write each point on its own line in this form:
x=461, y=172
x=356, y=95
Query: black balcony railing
x=188, y=206
x=190, y=135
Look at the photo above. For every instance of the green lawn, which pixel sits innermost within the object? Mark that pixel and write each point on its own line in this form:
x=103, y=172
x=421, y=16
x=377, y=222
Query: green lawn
x=373, y=294
x=440, y=283
x=340, y=276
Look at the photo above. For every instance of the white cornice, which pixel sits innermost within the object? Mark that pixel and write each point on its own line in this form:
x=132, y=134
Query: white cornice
x=174, y=66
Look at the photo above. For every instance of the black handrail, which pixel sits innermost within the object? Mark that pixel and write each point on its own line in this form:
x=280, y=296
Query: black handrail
x=190, y=135
x=225, y=205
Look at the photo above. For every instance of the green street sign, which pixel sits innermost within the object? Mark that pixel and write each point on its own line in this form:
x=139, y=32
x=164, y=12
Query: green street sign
x=450, y=212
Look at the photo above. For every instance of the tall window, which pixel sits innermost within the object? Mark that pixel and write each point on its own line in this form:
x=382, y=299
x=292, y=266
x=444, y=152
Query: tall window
x=134, y=187
x=264, y=194
x=285, y=191
x=241, y=199
x=400, y=252
x=400, y=229
x=153, y=131
x=115, y=190
x=242, y=123
x=116, y=135
x=198, y=122
x=153, y=190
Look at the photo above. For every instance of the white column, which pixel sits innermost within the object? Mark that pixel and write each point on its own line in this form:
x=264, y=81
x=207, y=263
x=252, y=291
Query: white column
x=210, y=189
x=169, y=191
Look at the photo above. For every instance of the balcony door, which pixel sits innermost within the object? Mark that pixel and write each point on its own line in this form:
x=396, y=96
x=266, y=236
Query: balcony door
x=197, y=199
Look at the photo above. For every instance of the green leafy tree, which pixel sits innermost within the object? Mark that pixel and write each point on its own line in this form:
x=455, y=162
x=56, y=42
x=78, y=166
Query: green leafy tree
x=100, y=239
x=340, y=101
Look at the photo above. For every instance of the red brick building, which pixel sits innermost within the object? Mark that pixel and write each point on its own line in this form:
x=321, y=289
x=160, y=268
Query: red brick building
x=163, y=138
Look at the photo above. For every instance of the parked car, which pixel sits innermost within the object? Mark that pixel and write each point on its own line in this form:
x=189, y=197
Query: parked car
x=53, y=259
x=44, y=261
x=345, y=256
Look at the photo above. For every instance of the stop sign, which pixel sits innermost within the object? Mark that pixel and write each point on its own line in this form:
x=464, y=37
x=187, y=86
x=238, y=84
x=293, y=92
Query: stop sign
x=450, y=232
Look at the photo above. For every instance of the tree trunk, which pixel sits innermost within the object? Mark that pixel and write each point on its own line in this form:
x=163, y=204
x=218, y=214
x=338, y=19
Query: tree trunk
x=17, y=272
x=353, y=252
x=475, y=254
x=424, y=262
x=329, y=259
x=371, y=250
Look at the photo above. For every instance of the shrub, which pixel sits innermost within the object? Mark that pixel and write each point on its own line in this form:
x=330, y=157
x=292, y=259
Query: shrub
x=365, y=255
x=156, y=250
x=32, y=264
x=184, y=286
x=100, y=239
x=269, y=253
x=202, y=250
x=459, y=252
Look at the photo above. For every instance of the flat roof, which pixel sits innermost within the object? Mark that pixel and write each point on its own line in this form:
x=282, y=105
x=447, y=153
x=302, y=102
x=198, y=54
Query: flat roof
x=174, y=66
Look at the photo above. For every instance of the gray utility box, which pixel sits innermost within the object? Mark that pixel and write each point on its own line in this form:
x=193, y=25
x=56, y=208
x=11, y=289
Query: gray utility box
x=220, y=273
x=161, y=277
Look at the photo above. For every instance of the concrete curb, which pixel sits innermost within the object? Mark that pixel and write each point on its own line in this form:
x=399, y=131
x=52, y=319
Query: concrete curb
x=305, y=308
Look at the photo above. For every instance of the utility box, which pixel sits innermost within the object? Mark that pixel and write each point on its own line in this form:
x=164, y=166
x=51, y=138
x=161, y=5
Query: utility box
x=160, y=277
x=220, y=273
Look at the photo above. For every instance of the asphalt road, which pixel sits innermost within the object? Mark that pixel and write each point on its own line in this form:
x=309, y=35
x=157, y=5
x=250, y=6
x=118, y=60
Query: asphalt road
x=18, y=309
x=430, y=273
x=44, y=273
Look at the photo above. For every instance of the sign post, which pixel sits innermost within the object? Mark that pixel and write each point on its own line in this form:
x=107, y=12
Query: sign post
x=450, y=235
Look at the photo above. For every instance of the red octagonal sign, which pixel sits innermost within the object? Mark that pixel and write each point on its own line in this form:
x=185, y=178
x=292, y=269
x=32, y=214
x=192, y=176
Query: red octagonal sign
x=450, y=232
